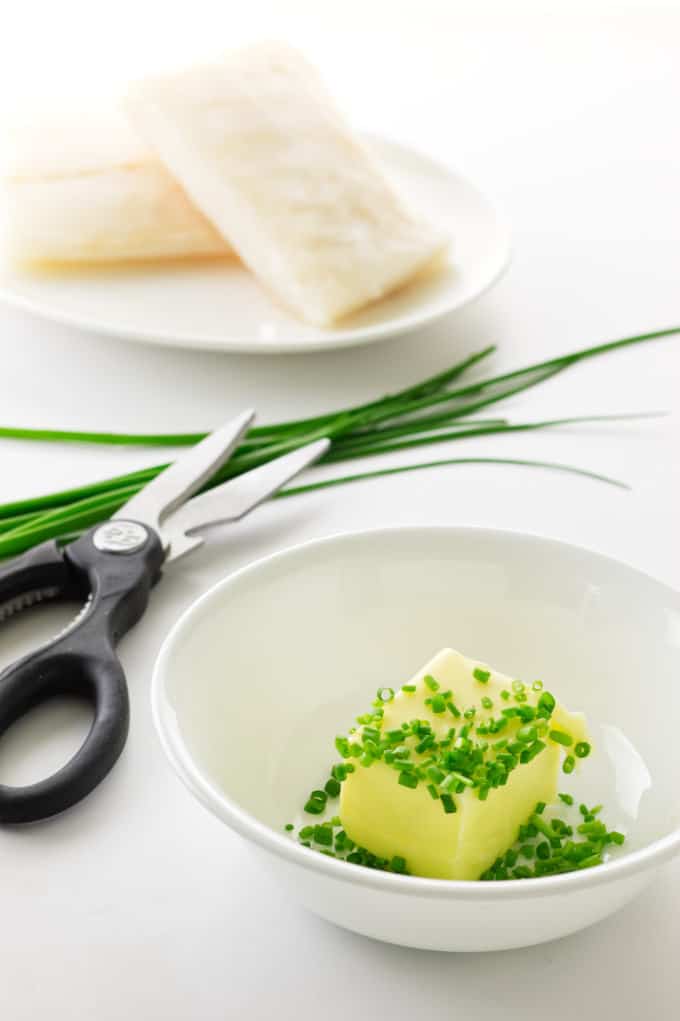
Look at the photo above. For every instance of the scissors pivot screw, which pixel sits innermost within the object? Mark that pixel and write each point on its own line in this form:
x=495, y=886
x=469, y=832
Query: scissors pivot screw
x=120, y=537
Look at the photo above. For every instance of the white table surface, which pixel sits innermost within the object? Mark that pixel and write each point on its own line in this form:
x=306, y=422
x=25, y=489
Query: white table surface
x=139, y=905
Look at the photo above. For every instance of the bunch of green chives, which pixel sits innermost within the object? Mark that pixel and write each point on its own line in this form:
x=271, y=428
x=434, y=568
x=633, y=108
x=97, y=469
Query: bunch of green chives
x=435, y=410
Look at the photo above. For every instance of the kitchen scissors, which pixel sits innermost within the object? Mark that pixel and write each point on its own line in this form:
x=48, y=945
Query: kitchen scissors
x=111, y=568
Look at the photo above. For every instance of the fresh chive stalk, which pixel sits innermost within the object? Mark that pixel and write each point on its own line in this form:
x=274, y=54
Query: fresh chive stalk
x=389, y=424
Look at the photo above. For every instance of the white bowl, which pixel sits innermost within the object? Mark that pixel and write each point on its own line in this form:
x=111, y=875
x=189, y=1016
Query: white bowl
x=258, y=676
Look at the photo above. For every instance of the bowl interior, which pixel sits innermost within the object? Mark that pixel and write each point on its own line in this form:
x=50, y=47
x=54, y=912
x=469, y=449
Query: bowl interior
x=261, y=674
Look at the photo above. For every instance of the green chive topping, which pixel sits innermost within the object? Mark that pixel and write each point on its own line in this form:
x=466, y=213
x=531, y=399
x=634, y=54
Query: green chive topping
x=323, y=834
x=438, y=704
x=526, y=734
x=481, y=675
x=408, y=688
x=546, y=702
x=431, y=683
x=561, y=738
x=582, y=749
x=568, y=764
x=448, y=804
x=316, y=804
x=342, y=746
x=408, y=780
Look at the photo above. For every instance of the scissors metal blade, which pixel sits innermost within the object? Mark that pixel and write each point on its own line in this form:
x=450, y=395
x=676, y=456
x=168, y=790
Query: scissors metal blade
x=235, y=498
x=185, y=475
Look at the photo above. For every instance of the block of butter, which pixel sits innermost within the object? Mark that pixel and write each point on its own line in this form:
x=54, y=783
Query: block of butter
x=81, y=187
x=381, y=814
x=258, y=145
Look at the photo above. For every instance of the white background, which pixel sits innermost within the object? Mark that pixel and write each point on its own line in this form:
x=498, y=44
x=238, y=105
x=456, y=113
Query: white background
x=139, y=905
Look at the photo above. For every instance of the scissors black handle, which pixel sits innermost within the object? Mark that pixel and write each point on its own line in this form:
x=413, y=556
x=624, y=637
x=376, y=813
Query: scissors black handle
x=113, y=568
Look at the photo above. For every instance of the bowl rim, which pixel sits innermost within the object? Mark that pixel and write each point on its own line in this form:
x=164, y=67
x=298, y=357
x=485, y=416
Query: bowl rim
x=281, y=845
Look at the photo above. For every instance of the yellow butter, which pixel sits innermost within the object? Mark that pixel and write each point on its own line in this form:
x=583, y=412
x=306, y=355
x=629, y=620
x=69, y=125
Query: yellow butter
x=389, y=819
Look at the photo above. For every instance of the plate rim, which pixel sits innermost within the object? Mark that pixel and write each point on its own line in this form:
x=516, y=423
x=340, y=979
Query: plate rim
x=342, y=338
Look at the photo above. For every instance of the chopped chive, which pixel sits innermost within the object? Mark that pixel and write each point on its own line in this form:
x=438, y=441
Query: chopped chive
x=433, y=792
x=407, y=779
x=486, y=702
x=532, y=751
x=323, y=835
x=568, y=764
x=615, y=837
x=342, y=746
x=398, y=864
x=526, y=734
x=546, y=702
x=541, y=825
x=566, y=798
x=408, y=688
x=481, y=675
x=288, y=827
x=582, y=749
x=332, y=788
x=527, y=713
x=315, y=807
x=431, y=683
x=427, y=742
x=560, y=737
x=537, y=686
x=448, y=804
x=593, y=828
x=588, y=863
x=438, y=704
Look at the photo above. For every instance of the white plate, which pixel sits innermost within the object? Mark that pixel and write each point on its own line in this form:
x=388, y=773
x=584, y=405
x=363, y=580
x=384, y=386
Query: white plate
x=219, y=305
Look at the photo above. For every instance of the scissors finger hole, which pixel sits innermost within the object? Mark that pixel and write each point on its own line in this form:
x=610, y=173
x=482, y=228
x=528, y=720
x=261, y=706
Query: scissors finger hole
x=44, y=739
x=31, y=631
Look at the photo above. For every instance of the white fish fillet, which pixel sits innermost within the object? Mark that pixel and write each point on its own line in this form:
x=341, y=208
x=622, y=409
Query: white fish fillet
x=258, y=145
x=84, y=188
